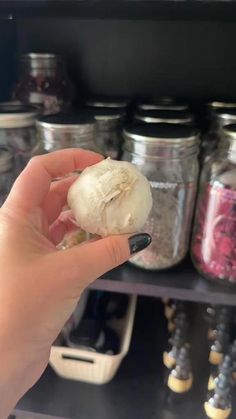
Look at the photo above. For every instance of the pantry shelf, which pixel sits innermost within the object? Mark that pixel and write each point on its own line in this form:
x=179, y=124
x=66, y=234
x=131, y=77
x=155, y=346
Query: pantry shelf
x=182, y=282
x=122, y=9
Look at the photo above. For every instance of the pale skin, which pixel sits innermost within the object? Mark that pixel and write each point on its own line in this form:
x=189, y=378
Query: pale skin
x=40, y=285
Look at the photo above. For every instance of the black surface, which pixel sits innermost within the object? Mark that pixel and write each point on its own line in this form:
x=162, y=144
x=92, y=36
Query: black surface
x=137, y=391
x=181, y=282
x=189, y=60
x=123, y=9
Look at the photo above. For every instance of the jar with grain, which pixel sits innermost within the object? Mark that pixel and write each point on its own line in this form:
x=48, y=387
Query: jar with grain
x=167, y=155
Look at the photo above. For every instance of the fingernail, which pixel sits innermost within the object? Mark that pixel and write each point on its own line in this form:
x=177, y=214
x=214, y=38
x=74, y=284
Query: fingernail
x=139, y=242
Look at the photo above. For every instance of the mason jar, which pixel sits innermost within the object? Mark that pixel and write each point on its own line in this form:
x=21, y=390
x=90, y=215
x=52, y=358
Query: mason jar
x=7, y=173
x=109, y=123
x=43, y=81
x=18, y=133
x=214, y=236
x=167, y=155
x=67, y=130
x=164, y=116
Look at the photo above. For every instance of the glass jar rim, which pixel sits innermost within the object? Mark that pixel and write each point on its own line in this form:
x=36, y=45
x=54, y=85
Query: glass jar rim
x=218, y=104
x=67, y=121
x=165, y=134
x=107, y=102
x=17, y=115
x=164, y=115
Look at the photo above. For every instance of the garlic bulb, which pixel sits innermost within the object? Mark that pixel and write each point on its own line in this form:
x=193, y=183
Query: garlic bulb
x=110, y=197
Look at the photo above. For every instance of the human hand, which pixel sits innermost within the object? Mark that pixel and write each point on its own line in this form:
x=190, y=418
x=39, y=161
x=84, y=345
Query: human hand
x=40, y=285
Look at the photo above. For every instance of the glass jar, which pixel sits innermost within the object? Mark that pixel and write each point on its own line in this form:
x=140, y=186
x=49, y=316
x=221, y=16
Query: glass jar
x=7, y=173
x=167, y=155
x=214, y=235
x=67, y=130
x=164, y=116
x=108, y=130
x=18, y=133
x=43, y=81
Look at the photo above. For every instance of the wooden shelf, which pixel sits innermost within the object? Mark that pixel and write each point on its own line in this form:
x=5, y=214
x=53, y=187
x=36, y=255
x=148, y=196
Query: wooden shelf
x=122, y=9
x=182, y=282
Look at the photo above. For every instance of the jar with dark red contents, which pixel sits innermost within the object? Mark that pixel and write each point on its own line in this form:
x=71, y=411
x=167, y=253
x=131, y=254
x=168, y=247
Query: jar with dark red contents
x=43, y=81
x=214, y=236
x=7, y=173
x=157, y=116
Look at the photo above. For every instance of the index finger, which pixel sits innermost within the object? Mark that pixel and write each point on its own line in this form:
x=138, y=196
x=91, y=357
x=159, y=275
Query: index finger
x=33, y=184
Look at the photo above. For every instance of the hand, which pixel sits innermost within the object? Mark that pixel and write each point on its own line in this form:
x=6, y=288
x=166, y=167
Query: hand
x=40, y=285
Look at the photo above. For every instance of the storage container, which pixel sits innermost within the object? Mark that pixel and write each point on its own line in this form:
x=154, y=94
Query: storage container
x=67, y=130
x=7, y=173
x=214, y=236
x=18, y=133
x=43, y=81
x=167, y=155
x=92, y=367
x=109, y=123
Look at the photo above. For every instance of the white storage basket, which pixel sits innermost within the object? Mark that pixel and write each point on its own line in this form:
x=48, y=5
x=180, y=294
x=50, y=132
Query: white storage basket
x=92, y=367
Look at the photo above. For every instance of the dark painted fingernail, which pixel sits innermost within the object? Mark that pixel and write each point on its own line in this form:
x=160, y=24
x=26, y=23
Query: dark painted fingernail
x=139, y=242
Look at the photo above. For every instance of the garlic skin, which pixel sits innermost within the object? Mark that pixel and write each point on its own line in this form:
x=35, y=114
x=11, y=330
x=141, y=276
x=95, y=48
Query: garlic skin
x=110, y=197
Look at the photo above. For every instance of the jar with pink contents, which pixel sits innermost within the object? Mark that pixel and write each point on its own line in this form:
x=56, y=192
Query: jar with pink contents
x=214, y=236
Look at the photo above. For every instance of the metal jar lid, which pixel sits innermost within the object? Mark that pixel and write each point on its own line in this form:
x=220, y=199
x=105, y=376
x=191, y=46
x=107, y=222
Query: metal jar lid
x=40, y=60
x=68, y=122
x=17, y=116
x=216, y=104
x=107, y=102
x=225, y=116
x=230, y=130
x=107, y=114
x=6, y=160
x=162, y=105
x=164, y=116
x=164, y=134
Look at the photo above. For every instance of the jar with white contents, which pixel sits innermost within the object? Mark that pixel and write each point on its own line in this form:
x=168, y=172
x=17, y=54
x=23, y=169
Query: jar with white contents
x=7, y=173
x=167, y=155
x=18, y=133
x=67, y=130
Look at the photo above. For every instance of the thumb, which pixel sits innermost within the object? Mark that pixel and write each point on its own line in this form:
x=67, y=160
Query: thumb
x=83, y=264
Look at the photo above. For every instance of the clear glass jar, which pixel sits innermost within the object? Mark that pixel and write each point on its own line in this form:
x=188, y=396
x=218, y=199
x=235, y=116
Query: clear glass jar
x=214, y=236
x=67, y=130
x=7, y=173
x=167, y=155
x=18, y=133
x=164, y=116
x=43, y=81
x=109, y=123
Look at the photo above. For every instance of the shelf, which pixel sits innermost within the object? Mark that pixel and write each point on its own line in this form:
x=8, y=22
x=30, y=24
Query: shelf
x=122, y=9
x=182, y=282
x=137, y=391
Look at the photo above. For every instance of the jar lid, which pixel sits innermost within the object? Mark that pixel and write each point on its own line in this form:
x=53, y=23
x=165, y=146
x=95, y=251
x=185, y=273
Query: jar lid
x=162, y=104
x=17, y=116
x=163, y=115
x=40, y=60
x=226, y=113
x=108, y=102
x=220, y=104
x=230, y=130
x=67, y=120
x=6, y=159
x=104, y=114
x=162, y=133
